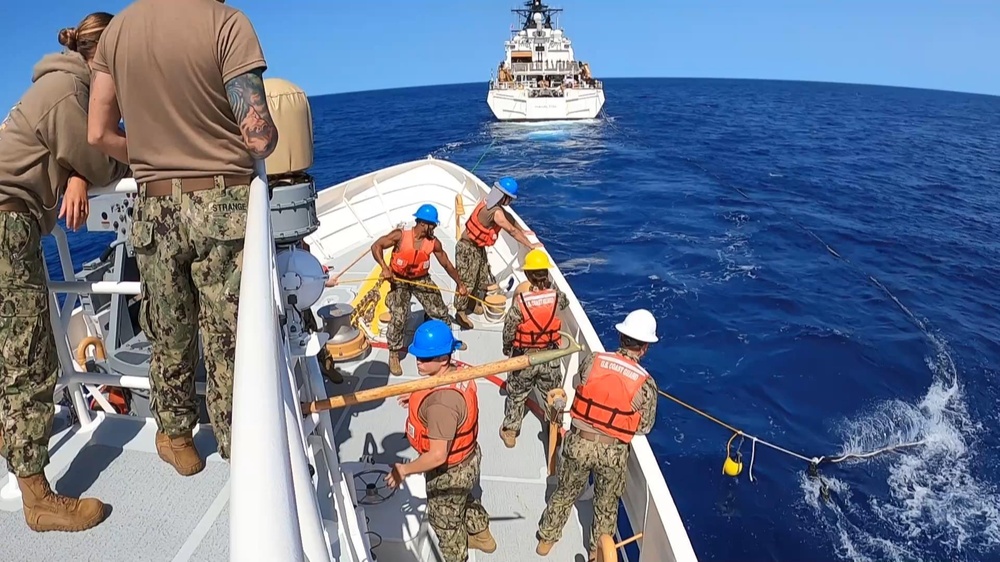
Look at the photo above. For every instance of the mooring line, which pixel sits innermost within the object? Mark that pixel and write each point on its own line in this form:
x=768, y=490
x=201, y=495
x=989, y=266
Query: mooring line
x=813, y=461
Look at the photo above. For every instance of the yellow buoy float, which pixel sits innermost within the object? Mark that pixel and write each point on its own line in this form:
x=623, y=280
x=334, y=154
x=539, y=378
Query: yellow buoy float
x=733, y=465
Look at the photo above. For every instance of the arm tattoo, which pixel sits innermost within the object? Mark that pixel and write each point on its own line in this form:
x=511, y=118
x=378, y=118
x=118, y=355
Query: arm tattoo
x=249, y=104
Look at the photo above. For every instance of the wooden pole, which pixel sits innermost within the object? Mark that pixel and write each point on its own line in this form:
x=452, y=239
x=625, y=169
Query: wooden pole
x=629, y=540
x=334, y=280
x=460, y=375
x=607, y=550
x=459, y=211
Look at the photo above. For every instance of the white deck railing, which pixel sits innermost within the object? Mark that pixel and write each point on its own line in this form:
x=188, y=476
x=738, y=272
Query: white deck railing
x=263, y=518
x=274, y=513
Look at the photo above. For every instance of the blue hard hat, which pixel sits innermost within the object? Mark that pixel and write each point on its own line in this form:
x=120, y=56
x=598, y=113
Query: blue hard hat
x=433, y=338
x=507, y=185
x=427, y=212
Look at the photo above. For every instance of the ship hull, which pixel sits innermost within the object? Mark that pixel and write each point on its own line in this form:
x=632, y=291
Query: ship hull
x=516, y=105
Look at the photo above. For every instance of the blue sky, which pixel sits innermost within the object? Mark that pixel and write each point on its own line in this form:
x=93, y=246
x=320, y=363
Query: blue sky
x=328, y=46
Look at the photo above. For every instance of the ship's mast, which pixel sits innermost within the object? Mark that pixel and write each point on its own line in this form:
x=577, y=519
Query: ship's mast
x=531, y=7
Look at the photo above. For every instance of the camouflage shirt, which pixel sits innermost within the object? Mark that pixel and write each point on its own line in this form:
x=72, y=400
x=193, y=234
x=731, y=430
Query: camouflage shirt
x=644, y=401
x=514, y=319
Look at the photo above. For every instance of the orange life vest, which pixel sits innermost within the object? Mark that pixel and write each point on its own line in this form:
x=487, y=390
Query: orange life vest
x=605, y=400
x=478, y=233
x=540, y=326
x=465, y=437
x=409, y=261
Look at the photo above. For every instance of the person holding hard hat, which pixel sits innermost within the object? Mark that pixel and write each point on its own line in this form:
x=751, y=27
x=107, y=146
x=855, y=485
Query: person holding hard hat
x=532, y=325
x=443, y=427
x=411, y=261
x=481, y=231
x=615, y=400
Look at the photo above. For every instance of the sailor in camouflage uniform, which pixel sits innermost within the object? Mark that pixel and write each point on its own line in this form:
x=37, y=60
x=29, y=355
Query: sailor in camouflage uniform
x=443, y=427
x=193, y=170
x=481, y=231
x=43, y=155
x=411, y=261
x=615, y=400
x=532, y=325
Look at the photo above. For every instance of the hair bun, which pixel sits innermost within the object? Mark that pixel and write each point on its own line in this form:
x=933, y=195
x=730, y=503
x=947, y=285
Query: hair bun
x=67, y=38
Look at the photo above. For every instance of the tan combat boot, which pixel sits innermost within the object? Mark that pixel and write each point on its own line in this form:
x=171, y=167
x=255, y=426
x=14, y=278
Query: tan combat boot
x=394, y=367
x=483, y=541
x=47, y=511
x=544, y=547
x=180, y=453
x=462, y=319
x=509, y=437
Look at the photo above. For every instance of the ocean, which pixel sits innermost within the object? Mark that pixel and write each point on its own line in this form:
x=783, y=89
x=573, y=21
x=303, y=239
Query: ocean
x=822, y=260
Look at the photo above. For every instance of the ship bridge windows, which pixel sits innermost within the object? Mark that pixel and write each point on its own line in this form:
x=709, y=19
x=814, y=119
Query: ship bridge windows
x=521, y=56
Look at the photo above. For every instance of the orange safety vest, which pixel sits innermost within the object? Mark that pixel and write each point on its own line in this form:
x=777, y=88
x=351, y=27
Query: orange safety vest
x=465, y=438
x=605, y=400
x=478, y=233
x=409, y=261
x=540, y=326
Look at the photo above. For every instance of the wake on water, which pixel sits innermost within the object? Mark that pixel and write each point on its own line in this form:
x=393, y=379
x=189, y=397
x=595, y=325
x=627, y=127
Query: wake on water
x=933, y=495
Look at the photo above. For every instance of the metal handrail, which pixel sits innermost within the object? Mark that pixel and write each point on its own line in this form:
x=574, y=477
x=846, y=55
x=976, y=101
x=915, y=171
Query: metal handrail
x=263, y=517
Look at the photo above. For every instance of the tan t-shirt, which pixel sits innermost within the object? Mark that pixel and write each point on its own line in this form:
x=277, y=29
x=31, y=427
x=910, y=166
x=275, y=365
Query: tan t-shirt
x=443, y=412
x=170, y=61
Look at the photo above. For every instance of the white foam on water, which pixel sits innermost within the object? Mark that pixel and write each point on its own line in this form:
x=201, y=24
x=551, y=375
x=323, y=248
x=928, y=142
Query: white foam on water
x=736, y=255
x=935, y=500
x=548, y=134
x=576, y=266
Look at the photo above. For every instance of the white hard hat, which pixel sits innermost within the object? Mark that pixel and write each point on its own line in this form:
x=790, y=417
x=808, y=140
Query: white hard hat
x=639, y=325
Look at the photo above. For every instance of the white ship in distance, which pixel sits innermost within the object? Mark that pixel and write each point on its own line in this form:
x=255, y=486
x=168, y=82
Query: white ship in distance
x=540, y=78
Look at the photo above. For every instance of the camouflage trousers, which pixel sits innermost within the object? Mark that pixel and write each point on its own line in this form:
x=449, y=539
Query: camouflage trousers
x=544, y=377
x=451, y=510
x=398, y=302
x=189, y=248
x=474, y=270
x=580, y=458
x=28, y=360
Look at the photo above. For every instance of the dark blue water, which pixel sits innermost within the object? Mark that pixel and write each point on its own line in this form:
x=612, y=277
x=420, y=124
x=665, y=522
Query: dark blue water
x=696, y=199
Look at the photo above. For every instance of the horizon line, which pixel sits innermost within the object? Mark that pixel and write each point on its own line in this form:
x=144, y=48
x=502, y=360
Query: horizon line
x=419, y=86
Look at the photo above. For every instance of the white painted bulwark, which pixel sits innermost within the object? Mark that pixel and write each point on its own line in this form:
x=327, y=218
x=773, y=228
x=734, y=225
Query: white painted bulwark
x=515, y=105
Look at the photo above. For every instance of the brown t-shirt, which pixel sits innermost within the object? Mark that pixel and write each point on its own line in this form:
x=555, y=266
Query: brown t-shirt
x=443, y=412
x=44, y=138
x=170, y=61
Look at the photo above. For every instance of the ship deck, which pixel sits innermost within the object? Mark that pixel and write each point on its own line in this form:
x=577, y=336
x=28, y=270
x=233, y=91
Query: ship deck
x=514, y=482
x=157, y=515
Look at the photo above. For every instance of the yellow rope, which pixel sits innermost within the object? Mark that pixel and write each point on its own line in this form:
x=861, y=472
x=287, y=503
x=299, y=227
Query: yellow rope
x=811, y=460
x=419, y=284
